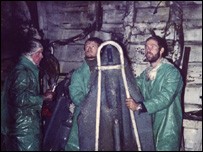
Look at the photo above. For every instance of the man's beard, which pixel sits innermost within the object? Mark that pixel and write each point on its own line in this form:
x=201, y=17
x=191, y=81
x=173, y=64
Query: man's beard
x=153, y=58
x=90, y=57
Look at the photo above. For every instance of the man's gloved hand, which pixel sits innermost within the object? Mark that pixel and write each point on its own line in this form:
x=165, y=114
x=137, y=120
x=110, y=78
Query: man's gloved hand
x=48, y=95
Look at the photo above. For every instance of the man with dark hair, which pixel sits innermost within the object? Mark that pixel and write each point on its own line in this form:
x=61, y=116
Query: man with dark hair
x=21, y=102
x=161, y=85
x=79, y=87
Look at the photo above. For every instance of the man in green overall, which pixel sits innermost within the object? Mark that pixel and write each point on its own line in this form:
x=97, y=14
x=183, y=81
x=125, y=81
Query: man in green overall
x=161, y=85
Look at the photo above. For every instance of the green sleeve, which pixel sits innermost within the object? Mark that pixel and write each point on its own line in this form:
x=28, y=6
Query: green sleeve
x=172, y=85
x=76, y=90
x=22, y=92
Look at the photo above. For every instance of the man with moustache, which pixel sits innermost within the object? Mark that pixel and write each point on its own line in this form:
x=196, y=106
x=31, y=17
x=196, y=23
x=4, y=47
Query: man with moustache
x=161, y=85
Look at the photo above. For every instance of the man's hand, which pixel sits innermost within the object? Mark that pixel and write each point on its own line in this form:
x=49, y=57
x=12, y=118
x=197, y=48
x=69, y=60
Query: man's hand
x=48, y=95
x=133, y=105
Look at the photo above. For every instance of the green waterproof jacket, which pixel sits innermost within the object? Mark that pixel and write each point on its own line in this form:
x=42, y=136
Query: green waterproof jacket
x=78, y=89
x=21, y=108
x=162, y=99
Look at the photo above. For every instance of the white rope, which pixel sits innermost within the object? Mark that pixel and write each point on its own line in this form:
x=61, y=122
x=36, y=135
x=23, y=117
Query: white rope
x=99, y=91
x=98, y=111
x=131, y=112
x=110, y=67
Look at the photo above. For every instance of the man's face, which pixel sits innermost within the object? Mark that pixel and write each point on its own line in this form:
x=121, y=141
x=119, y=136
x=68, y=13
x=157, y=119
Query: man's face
x=37, y=57
x=91, y=48
x=152, y=51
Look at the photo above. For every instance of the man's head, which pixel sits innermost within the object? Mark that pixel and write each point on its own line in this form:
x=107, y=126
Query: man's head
x=34, y=49
x=91, y=47
x=155, y=47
